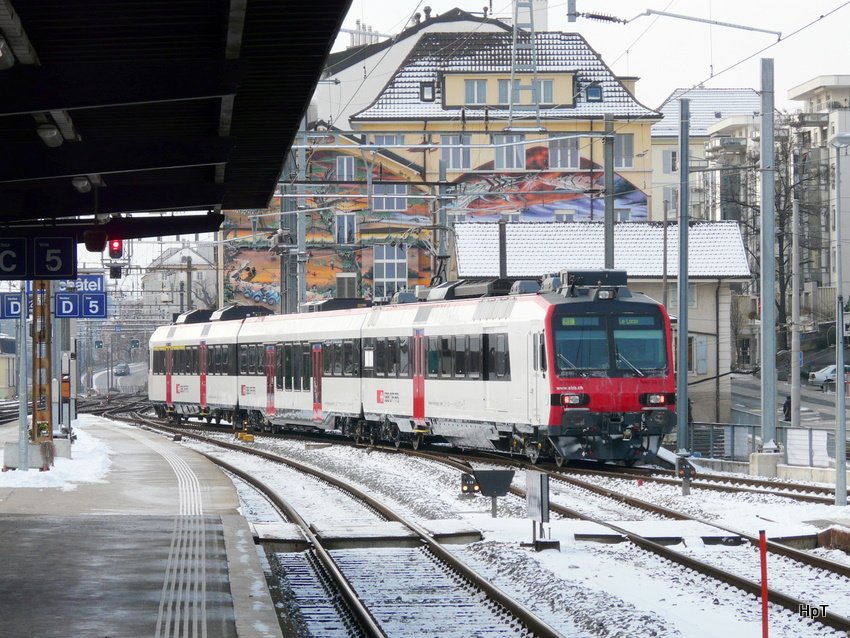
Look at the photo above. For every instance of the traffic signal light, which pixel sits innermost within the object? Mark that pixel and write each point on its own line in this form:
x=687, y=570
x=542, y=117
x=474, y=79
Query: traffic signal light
x=98, y=344
x=116, y=248
x=134, y=343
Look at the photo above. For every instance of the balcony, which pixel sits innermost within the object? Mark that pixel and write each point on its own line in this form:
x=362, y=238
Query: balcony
x=725, y=146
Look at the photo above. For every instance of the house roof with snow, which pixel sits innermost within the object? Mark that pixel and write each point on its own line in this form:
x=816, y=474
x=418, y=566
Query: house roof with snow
x=715, y=249
x=340, y=60
x=439, y=53
x=707, y=107
x=172, y=258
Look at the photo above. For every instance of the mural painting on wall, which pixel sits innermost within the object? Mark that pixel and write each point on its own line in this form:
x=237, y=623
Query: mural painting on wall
x=343, y=233
x=541, y=194
x=251, y=268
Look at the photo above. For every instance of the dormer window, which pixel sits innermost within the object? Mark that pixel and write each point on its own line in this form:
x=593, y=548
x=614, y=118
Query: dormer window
x=593, y=93
x=426, y=91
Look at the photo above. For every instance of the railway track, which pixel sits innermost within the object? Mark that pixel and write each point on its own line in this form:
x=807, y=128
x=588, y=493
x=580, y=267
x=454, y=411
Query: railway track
x=830, y=585
x=832, y=576
x=464, y=603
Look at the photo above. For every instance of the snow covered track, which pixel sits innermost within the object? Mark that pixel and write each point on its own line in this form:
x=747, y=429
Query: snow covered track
x=448, y=595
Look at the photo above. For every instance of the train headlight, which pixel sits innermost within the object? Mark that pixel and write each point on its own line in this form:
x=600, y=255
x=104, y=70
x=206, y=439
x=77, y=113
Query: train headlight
x=574, y=400
x=658, y=399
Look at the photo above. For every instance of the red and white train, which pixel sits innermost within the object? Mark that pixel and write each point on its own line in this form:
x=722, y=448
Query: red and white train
x=575, y=371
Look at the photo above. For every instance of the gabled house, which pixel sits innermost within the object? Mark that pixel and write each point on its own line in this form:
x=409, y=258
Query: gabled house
x=179, y=279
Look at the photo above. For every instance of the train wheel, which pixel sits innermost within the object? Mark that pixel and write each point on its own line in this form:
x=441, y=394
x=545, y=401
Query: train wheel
x=559, y=460
x=532, y=452
x=416, y=441
x=396, y=438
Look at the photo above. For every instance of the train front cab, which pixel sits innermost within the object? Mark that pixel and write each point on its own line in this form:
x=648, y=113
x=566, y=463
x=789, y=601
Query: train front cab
x=612, y=386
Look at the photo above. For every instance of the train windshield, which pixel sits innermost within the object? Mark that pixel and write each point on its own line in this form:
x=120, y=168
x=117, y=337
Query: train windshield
x=603, y=345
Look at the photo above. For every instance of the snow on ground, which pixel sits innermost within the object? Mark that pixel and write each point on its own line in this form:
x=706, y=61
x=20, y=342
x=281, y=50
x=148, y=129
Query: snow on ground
x=90, y=462
x=606, y=590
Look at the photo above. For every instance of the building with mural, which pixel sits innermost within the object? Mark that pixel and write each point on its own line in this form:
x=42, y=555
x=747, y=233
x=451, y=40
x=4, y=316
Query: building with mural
x=470, y=125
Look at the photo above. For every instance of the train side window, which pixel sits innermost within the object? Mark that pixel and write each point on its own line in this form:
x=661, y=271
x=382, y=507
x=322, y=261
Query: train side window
x=503, y=369
x=542, y=352
x=392, y=357
x=355, y=359
x=446, y=357
x=460, y=367
x=433, y=357
x=474, y=361
x=404, y=358
x=327, y=358
x=278, y=364
x=338, y=365
x=381, y=357
x=306, y=366
x=196, y=360
x=230, y=359
x=348, y=364
x=489, y=357
x=296, y=366
x=243, y=359
x=252, y=359
x=287, y=366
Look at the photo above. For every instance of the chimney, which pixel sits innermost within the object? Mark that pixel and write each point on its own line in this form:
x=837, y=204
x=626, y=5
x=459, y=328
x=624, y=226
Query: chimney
x=628, y=83
x=427, y=11
x=358, y=36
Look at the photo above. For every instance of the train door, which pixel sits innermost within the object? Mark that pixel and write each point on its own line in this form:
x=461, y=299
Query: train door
x=317, y=362
x=538, y=386
x=270, y=377
x=497, y=390
x=169, y=400
x=202, y=374
x=419, y=377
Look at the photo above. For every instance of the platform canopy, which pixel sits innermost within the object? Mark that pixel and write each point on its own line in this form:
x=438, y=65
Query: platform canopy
x=110, y=107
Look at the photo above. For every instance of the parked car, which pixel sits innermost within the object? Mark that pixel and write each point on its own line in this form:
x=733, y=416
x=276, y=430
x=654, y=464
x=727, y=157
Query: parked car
x=123, y=369
x=825, y=376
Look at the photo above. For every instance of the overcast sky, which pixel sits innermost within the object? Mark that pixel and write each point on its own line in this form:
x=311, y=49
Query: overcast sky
x=669, y=53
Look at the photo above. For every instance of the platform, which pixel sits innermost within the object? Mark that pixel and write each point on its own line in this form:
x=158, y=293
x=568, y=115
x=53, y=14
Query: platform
x=150, y=544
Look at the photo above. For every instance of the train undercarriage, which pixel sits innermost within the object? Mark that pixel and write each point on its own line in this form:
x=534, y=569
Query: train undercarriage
x=625, y=438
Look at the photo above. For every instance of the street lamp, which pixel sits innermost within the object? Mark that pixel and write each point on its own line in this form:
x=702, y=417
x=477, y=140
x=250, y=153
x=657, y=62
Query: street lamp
x=839, y=141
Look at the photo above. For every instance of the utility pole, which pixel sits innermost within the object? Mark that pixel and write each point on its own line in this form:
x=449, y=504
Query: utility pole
x=768, y=262
x=608, y=159
x=682, y=280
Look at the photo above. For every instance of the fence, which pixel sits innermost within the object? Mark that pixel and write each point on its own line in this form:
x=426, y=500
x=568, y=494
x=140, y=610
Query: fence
x=812, y=447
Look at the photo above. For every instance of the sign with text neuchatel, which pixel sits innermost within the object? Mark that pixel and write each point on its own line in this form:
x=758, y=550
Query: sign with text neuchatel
x=38, y=258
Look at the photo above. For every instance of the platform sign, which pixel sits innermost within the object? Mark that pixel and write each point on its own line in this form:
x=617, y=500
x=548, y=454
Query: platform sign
x=38, y=258
x=93, y=305
x=10, y=305
x=67, y=304
x=13, y=258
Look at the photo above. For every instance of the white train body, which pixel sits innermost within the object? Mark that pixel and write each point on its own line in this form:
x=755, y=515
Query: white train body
x=478, y=373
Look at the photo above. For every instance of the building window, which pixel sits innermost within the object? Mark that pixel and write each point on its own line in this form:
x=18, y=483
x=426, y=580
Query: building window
x=671, y=162
x=345, y=168
x=511, y=217
x=389, y=197
x=697, y=354
x=671, y=201
x=673, y=295
x=426, y=91
x=565, y=215
x=389, y=140
x=345, y=228
x=564, y=153
x=622, y=214
x=475, y=91
x=593, y=93
x=503, y=92
x=544, y=91
x=624, y=150
x=346, y=285
x=456, y=151
x=510, y=151
x=389, y=269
